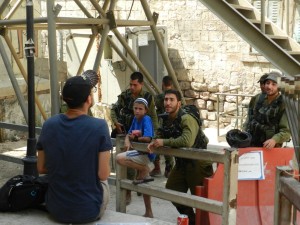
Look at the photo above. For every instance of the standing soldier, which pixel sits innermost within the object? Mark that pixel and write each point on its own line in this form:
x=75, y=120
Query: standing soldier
x=267, y=123
x=178, y=130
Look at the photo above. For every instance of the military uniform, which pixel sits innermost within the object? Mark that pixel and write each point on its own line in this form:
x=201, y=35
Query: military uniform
x=159, y=103
x=267, y=120
x=187, y=173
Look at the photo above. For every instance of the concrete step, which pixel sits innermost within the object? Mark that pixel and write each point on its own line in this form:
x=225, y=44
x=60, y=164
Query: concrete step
x=38, y=217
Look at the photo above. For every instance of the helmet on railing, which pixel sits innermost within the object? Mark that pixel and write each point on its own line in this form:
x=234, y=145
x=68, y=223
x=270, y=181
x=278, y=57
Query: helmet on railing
x=238, y=139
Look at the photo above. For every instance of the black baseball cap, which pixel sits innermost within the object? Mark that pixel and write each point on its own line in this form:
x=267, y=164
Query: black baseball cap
x=78, y=88
x=262, y=78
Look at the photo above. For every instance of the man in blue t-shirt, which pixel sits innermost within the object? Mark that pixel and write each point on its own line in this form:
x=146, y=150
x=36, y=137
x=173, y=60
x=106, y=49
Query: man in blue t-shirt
x=141, y=130
x=74, y=150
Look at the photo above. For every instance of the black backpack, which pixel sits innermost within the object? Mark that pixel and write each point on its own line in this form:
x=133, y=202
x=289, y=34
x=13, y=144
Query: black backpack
x=201, y=139
x=23, y=192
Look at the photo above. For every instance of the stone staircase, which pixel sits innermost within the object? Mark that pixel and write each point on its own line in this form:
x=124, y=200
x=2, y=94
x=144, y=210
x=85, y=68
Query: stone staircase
x=274, y=44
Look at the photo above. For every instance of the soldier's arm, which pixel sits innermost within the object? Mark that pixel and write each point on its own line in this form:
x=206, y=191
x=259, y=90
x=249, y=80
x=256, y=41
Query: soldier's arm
x=284, y=133
x=115, y=110
x=153, y=115
x=190, y=129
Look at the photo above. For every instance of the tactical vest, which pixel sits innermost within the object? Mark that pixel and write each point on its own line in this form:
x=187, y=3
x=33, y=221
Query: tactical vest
x=264, y=121
x=173, y=129
x=125, y=114
x=159, y=103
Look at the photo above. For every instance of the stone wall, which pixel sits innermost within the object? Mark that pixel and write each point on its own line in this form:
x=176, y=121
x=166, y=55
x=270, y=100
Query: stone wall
x=207, y=56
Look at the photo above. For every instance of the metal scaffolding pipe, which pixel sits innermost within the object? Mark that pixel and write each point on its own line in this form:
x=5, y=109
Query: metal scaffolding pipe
x=128, y=63
x=98, y=7
x=77, y=23
x=83, y=9
x=104, y=34
x=88, y=21
x=19, y=94
x=105, y=4
x=161, y=48
x=13, y=10
x=24, y=74
x=54, y=91
x=86, y=54
x=21, y=21
x=136, y=60
x=129, y=50
x=3, y=6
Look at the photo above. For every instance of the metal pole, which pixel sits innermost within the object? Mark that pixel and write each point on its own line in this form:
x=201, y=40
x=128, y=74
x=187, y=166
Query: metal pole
x=3, y=6
x=263, y=16
x=53, y=58
x=129, y=50
x=30, y=159
x=104, y=35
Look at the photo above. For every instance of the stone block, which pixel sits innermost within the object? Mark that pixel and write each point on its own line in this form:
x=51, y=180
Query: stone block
x=221, y=106
x=213, y=87
x=200, y=103
x=191, y=94
x=213, y=97
x=184, y=85
x=41, y=69
x=203, y=114
x=199, y=86
x=204, y=95
x=210, y=105
x=211, y=116
x=230, y=107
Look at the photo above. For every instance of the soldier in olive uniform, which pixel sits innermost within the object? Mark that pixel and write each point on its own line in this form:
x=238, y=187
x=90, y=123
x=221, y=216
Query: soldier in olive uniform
x=256, y=97
x=267, y=120
x=178, y=130
x=122, y=112
x=167, y=84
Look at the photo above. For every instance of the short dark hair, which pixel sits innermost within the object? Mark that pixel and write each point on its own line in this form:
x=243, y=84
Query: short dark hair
x=175, y=92
x=137, y=76
x=167, y=81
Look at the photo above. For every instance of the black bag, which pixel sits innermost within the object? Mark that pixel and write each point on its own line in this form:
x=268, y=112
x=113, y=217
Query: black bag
x=23, y=192
x=201, y=139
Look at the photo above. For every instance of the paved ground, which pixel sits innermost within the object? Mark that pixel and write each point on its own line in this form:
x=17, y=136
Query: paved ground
x=164, y=212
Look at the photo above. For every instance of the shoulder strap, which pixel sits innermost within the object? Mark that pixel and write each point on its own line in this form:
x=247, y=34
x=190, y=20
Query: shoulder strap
x=148, y=97
x=260, y=101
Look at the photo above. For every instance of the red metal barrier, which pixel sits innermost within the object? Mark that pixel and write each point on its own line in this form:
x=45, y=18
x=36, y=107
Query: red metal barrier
x=255, y=201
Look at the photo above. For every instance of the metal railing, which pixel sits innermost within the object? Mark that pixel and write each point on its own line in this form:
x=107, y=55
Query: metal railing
x=287, y=195
x=238, y=112
x=225, y=208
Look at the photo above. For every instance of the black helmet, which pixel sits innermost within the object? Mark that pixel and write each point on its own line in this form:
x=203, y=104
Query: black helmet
x=238, y=139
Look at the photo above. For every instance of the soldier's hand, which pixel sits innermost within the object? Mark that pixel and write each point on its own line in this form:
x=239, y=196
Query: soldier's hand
x=119, y=128
x=270, y=143
x=158, y=143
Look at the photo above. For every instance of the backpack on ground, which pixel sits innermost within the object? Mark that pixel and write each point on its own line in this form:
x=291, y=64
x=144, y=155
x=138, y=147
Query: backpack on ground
x=201, y=139
x=23, y=192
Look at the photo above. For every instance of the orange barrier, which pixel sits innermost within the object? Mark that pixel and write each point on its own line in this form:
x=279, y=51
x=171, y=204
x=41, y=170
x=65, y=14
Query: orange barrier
x=255, y=200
